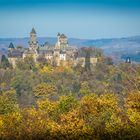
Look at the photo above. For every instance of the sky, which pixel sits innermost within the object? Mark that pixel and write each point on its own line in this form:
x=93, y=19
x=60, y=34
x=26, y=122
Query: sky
x=87, y=19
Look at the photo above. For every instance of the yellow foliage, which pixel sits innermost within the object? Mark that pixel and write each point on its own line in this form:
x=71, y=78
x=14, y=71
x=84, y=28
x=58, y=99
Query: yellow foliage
x=74, y=127
x=133, y=100
x=113, y=125
x=84, y=88
x=8, y=102
x=44, y=89
x=90, y=117
x=12, y=125
x=109, y=102
x=46, y=69
x=46, y=105
x=66, y=103
x=89, y=106
x=134, y=116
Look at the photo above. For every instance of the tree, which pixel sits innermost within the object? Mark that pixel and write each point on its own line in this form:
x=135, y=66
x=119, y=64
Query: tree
x=11, y=125
x=132, y=104
x=5, y=78
x=8, y=102
x=87, y=54
x=44, y=90
x=27, y=64
x=20, y=64
x=66, y=104
x=84, y=88
x=73, y=127
x=4, y=62
x=23, y=82
x=108, y=61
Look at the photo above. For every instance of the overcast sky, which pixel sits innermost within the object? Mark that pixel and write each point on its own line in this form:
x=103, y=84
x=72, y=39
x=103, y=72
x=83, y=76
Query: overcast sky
x=76, y=18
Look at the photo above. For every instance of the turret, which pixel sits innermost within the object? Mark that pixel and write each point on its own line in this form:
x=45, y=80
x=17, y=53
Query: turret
x=128, y=60
x=33, y=44
x=11, y=47
x=58, y=36
x=33, y=36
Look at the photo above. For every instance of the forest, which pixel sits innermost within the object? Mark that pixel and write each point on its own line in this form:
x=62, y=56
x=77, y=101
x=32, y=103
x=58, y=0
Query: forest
x=43, y=101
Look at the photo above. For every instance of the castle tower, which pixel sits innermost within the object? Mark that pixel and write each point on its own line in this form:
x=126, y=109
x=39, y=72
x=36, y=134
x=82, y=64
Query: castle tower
x=57, y=45
x=11, y=47
x=62, y=42
x=33, y=44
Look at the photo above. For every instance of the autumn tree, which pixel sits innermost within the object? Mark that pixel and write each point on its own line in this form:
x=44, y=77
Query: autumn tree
x=44, y=90
x=66, y=104
x=27, y=63
x=8, y=102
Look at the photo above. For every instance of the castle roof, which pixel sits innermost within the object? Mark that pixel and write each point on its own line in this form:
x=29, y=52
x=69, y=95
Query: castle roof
x=29, y=51
x=15, y=54
x=41, y=52
x=46, y=47
x=11, y=45
x=33, y=31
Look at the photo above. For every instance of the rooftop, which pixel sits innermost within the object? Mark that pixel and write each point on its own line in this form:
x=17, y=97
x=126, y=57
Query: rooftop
x=11, y=45
x=15, y=54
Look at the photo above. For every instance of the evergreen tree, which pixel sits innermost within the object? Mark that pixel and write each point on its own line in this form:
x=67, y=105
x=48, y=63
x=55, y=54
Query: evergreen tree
x=4, y=62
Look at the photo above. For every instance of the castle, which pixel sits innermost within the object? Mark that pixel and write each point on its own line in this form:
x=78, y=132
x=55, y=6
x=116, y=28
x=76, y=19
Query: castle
x=58, y=54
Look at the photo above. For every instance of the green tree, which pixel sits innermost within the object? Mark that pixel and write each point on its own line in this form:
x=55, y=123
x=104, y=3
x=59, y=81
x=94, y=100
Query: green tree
x=66, y=104
x=84, y=88
x=4, y=62
x=23, y=82
x=27, y=63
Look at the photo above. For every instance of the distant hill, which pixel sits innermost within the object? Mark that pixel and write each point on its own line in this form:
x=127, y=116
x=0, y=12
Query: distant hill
x=118, y=48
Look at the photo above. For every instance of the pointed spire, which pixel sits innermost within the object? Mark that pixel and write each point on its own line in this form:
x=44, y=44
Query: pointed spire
x=33, y=31
x=11, y=46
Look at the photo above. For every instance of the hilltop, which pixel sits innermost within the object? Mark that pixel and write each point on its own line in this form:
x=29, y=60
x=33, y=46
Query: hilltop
x=118, y=48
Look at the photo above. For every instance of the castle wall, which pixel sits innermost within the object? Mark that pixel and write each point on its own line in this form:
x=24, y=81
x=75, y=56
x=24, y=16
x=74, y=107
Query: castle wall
x=63, y=57
x=12, y=61
x=93, y=61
